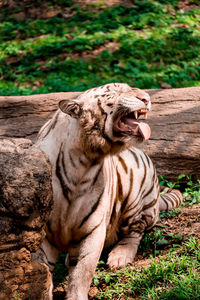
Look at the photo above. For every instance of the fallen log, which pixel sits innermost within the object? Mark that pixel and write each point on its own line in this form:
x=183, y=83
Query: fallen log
x=174, y=145
x=175, y=122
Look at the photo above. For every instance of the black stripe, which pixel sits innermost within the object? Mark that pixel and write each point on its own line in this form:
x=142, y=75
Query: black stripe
x=43, y=128
x=113, y=215
x=83, y=163
x=132, y=208
x=142, y=182
x=144, y=207
x=167, y=198
x=123, y=163
x=88, y=158
x=52, y=124
x=71, y=160
x=165, y=201
x=64, y=167
x=149, y=191
x=97, y=175
x=119, y=193
x=106, y=137
x=148, y=216
x=94, y=207
x=144, y=177
x=139, y=227
x=85, y=181
x=129, y=192
x=73, y=262
x=149, y=220
x=51, y=263
x=86, y=235
x=151, y=204
x=148, y=160
x=64, y=187
x=172, y=199
x=55, y=120
x=135, y=156
x=153, y=185
x=118, y=196
x=126, y=221
x=174, y=196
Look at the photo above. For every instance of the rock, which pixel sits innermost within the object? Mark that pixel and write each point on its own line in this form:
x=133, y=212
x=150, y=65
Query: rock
x=25, y=204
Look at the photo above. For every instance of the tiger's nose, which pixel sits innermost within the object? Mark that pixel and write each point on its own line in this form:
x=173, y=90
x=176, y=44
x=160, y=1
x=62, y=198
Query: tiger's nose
x=147, y=102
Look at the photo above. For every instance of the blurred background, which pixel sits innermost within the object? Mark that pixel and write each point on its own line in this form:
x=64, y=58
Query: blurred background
x=66, y=45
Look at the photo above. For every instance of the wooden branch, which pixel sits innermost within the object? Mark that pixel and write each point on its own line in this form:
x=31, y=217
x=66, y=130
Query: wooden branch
x=174, y=119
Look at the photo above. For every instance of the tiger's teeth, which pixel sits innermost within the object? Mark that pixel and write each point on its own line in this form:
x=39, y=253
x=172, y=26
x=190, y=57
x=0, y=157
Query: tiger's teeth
x=136, y=114
x=145, y=115
x=136, y=130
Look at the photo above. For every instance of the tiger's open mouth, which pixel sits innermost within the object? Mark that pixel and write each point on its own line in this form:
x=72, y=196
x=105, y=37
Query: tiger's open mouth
x=128, y=124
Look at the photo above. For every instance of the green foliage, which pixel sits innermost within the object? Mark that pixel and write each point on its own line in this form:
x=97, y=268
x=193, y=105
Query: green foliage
x=189, y=188
x=170, y=214
x=16, y=296
x=175, y=276
x=192, y=192
x=60, y=272
x=154, y=42
x=172, y=185
x=157, y=239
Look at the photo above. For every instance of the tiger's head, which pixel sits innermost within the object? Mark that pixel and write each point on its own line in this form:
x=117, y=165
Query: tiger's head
x=109, y=117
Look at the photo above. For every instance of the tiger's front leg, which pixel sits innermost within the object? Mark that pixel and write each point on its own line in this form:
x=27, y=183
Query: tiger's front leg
x=82, y=261
x=124, y=252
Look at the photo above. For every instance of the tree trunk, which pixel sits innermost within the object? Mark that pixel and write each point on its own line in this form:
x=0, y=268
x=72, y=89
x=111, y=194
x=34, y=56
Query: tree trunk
x=174, y=120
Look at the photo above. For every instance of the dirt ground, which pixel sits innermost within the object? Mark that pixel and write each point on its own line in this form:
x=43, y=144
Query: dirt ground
x=186, y=223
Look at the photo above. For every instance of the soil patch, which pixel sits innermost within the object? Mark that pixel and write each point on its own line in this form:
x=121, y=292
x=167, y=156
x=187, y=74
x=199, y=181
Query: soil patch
x=186, y=224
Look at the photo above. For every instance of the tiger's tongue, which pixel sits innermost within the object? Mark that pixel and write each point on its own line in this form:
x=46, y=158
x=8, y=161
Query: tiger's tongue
x=144, y=128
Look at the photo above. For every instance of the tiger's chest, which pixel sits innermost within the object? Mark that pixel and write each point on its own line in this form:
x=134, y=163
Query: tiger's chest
x=72, y=214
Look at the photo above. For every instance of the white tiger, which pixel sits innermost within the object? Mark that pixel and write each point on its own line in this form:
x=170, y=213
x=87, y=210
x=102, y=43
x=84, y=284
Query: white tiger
x=106, y=192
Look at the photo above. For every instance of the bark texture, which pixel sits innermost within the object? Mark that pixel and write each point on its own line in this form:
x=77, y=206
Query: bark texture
x=25, y=204
x=174, y=120
x=174, y=145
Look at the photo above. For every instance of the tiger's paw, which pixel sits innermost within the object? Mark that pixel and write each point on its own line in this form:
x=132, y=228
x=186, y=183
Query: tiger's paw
x=119, y=257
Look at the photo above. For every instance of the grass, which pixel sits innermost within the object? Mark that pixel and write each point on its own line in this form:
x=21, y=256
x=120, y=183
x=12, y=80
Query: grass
x=175, y=276
x=155, y=42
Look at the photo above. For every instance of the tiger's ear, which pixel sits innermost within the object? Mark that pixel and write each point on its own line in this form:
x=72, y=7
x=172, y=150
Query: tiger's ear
x=71, y=107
